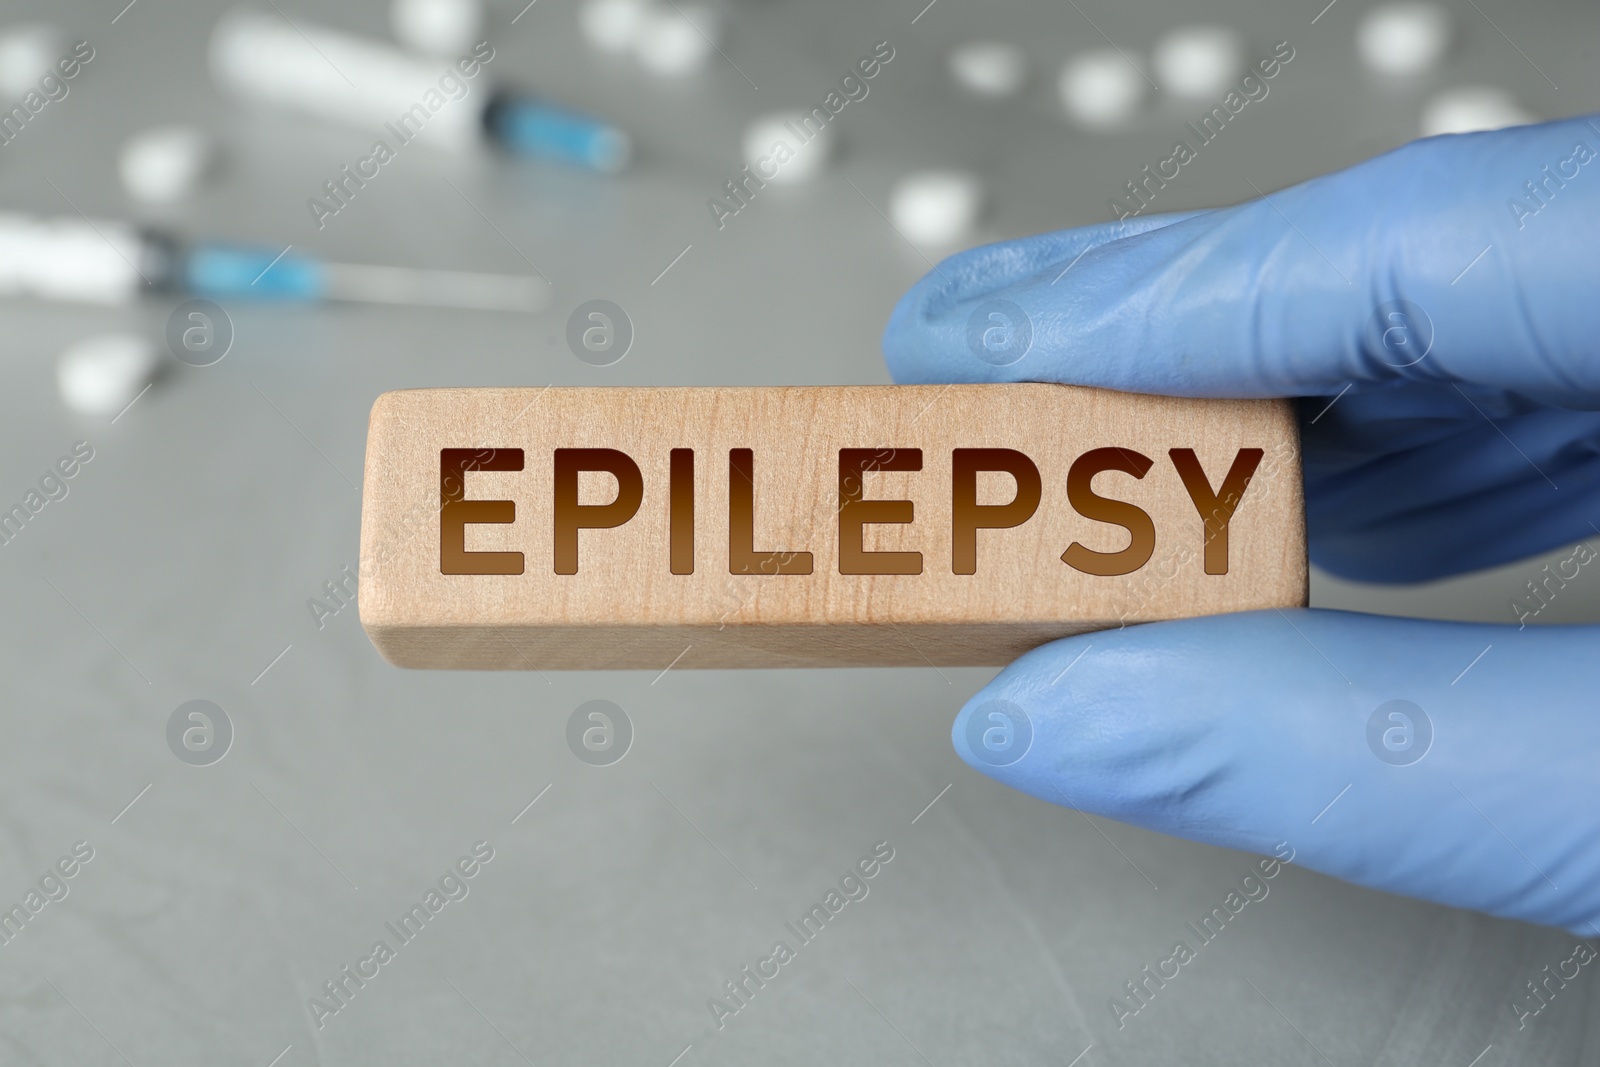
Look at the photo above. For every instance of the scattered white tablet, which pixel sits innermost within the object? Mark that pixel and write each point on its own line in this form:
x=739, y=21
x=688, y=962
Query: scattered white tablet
x=166, y=163
x=807, y=145
x=101, y=375
x=1102, y=87
x=1404, y=38
x=936, y=208
x=437, y=27
x=1471, y=108
x=612, y=25
x=28, y=51
x=677, y=40
x=989, y=68
x=1199, y=62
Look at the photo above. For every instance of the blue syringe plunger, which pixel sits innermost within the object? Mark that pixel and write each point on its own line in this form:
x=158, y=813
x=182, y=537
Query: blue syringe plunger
x=240, y=271
x=534, y=128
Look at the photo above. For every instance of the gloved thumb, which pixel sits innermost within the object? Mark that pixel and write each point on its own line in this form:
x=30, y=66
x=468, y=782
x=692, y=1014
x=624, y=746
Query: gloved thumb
x=1452, y=762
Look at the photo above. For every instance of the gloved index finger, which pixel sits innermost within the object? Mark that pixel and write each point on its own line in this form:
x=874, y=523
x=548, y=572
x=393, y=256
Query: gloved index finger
x=1469, y=258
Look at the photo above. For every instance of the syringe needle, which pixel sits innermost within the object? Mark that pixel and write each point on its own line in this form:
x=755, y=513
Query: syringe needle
x=258, y=272
x=366, y=283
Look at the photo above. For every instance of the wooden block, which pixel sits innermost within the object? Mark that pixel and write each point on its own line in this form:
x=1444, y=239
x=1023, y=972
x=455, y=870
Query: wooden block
x=789, y=527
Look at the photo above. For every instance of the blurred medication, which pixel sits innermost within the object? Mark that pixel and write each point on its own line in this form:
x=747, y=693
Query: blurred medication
x=103, y=374
x=989, y=68
x=1198, y=62
x=612, y=25
x=1404, y=38
x=1470, y=108
x=28, y=51
x=359, y=82
x=936, y=208
x=676, y=39
x=49, y=87
x=167, y=163
x=114, y=263
x=437, y=27
x=1101, y=88
x=804, y=151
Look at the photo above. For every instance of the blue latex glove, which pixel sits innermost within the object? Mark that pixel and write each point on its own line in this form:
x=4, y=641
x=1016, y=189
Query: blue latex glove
x=1469, y=435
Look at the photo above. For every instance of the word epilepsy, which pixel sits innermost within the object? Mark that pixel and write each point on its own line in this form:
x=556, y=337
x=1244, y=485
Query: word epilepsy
x=1214, y=505
x=609, y=528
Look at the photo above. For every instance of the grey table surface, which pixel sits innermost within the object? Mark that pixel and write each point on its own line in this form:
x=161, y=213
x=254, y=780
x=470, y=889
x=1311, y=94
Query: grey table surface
x=180, y=564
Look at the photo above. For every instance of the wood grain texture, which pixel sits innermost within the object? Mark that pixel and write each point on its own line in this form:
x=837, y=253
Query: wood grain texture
x=624, y=608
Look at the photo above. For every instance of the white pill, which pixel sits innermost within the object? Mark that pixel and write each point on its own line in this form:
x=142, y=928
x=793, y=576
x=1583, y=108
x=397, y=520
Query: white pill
x=28, y=51
x=437, y=27
x=1471, y=108
x=1199, y=62
x=787, y=147
x=1404, y=38
x=1101, y=88
x=989, y=68
x=678, y=40
x=101, y=375
x=612, y=25
x=166, y=163
x=936, y=208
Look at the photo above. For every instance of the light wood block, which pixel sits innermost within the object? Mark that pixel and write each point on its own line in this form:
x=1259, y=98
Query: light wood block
x=757, y=551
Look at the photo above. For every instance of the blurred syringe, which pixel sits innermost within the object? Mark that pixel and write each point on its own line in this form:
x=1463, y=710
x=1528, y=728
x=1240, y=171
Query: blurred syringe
x=113, y=263
x=399, y=96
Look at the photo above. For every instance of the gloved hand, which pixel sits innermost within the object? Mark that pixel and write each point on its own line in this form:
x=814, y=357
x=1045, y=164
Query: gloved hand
x=1440, y=316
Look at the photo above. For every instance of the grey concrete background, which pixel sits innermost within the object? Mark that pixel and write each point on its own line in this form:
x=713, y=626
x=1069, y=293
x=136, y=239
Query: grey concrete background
x=179, y=567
